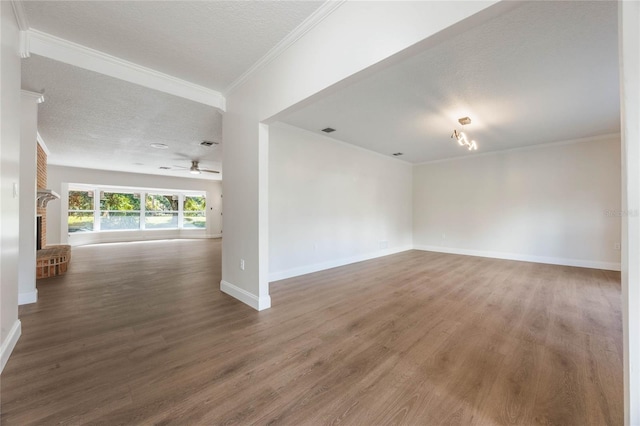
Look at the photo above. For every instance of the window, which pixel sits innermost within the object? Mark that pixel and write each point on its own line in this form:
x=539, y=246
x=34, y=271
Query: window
x=194, y=211
x=161, y=211
x=81, y=211
x=97, y=208
x=119, y=210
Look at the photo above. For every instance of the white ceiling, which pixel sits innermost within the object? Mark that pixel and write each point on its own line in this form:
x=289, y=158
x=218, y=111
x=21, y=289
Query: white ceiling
x=210, y=43
x=95, y=121
x=543, y=72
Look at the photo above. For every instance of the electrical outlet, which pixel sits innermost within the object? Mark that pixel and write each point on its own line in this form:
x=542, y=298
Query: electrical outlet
x=242, y=264
x=383, y=244
x=616, y=246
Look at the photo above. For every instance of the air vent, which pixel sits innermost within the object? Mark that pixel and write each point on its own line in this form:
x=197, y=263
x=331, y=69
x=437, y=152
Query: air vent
x=164, y=168
x=208, y=143
x=397, y=154
x=328, y=130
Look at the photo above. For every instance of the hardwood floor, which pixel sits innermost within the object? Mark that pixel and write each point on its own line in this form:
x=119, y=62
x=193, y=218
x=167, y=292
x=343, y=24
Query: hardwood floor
x=140, y=334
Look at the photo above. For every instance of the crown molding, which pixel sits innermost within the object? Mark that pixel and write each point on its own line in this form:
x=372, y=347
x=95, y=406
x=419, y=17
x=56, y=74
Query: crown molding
x=21, y=16
x=597, y=138
x=37, y=97
x=326, y=9
x=25, y=51
x=75, y=54
x=23, y=25
x=42, y=144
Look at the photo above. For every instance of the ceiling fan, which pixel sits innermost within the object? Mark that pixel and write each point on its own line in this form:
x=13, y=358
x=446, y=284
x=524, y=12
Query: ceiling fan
x=195, y=169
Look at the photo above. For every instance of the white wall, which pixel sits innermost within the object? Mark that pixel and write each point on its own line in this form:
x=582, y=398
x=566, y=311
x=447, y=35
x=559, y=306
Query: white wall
x=332, y=203
x=58, y=178
x=544, y=204
x=10, y=176
x=27, y=292
x=630, y=117
x=347, y=42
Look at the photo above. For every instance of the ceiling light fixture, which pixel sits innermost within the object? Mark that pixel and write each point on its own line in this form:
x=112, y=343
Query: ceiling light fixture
x=462, y=138
x=159, y=145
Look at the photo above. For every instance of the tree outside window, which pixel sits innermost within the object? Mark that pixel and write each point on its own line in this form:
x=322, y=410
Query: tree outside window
x=194, y=211
x=161, y=211
x=81, y=217
x=119, y=211
x=134, y=209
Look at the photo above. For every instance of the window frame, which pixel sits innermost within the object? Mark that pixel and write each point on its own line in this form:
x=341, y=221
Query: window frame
x=162, y=193
x=204, y=211
x=119, y=191
x=92, y=211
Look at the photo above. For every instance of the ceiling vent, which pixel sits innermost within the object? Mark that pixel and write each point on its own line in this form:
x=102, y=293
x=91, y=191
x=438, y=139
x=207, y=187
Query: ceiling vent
x=208, y=143
x=164, y=168
x=397, y=154
x=328, y=130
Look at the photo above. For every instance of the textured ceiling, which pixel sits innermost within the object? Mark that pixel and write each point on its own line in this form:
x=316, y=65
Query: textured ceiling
x=210, y=43
x=543, y=72
x=95, y=121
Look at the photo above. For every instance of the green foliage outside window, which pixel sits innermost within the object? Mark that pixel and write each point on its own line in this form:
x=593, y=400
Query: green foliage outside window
x=80, y=200
x=194, y=204
x=119, y=201
x=155, y=202
x=194, y=212
x=122, y=211
x=119, y=211
x=161, y=211
x=80, y=211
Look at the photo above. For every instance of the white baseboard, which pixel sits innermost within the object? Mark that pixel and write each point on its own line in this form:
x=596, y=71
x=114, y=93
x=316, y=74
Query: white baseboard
x=609, y=266
x=10, y=343
x=308, y=269
x=257, y=303
x=26, y=298
x=85, y=238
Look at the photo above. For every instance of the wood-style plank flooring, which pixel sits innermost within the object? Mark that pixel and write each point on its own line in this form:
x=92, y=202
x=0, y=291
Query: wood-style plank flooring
x=141, y=334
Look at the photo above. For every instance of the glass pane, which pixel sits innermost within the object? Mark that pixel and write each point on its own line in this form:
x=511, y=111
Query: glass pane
x=160, y=220
x=161, y=202
x=119, y=220
x=119, y=201
x=80, y=221
x=194, y=220
x=195, y=203
x=80, y=200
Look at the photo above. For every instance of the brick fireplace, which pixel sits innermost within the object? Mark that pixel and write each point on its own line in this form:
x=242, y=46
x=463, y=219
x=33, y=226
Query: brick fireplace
x=41, y=182
x=50, y=260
